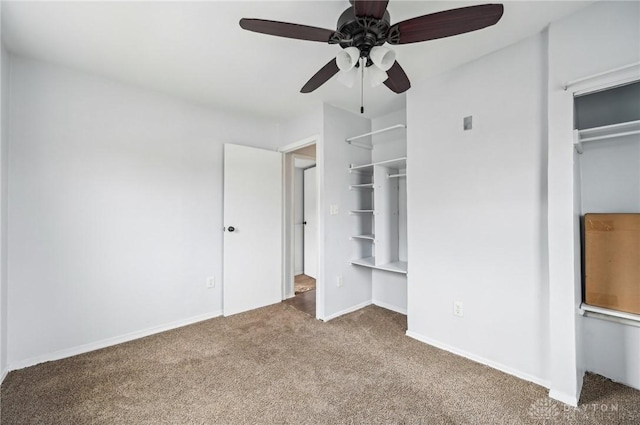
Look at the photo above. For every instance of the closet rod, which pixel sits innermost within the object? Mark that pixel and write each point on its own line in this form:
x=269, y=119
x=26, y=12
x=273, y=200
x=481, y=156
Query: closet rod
x=600, y=74
x=610, y=136
x=611, y=315
x=395, y=176
x=393, y=127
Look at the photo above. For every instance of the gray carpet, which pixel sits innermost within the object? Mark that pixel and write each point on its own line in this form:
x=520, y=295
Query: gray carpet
x=277, y=365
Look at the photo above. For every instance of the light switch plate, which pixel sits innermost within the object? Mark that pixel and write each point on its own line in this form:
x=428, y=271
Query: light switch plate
x=467, y=123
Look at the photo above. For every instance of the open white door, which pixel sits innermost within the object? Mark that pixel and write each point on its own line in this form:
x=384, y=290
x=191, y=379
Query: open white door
x=310, y=224
x=253, y=228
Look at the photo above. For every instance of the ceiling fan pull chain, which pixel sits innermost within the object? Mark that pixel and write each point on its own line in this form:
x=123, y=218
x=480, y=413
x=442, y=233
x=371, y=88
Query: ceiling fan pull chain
x=362, y=86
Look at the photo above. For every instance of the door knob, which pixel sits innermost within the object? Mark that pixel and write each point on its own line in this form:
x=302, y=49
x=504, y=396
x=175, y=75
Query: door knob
x=304, y=222
x=231, y=228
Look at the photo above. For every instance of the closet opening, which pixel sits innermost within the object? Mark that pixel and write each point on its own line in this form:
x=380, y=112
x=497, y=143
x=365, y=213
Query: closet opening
x=607, y=142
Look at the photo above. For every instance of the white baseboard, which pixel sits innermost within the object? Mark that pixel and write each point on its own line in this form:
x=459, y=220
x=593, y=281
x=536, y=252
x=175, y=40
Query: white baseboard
x=85, y=348
x=347, y=311
x=390, y=307
x=564, y=398
x=479, y=359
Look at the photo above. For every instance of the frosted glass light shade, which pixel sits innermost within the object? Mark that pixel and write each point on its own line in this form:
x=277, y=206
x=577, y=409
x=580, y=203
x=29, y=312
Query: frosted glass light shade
x=347, y=58
x=375, y=75
x=382, y=57
x=349, y=78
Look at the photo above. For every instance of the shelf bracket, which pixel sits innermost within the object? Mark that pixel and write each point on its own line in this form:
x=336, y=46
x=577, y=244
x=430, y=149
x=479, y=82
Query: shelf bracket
x=576, y=142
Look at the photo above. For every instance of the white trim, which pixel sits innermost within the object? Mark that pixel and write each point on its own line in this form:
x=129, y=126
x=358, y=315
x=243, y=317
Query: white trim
x=347, y=310
x=499, y=366
x=564, y=398
x=81, y=349
x=3, y=375
x=390, y=307
x=320, y=202
x=307, y=141
x=620, y=75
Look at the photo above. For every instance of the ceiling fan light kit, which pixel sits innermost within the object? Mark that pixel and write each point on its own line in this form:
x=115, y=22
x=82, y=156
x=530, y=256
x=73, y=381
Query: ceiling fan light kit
x=348, y=58
x=363, y=28
x=375, y=75
x=349, y=78
x=382, y=57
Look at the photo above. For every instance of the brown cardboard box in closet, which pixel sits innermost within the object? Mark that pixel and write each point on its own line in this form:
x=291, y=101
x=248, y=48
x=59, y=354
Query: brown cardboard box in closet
x=612, y=257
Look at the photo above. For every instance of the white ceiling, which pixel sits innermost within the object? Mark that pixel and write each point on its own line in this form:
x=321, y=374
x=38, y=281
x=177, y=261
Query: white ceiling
x=197, y=51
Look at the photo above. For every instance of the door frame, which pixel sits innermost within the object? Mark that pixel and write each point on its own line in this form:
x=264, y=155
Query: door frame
x=288, y=225
x=304, y=217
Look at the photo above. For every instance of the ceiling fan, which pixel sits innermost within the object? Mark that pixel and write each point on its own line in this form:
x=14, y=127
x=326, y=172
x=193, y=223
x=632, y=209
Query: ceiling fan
x=365, y=26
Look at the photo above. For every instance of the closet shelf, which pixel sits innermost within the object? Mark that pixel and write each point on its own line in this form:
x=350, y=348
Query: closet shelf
x=396, y=266
x=361, y=186
x=365, y=237
x=383, y=130
x=605, y=132
x=398, y=163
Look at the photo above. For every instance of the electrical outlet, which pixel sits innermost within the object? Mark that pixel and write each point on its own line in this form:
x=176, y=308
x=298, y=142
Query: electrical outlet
x=457, y=309
x=211, y=282
x=339, y=282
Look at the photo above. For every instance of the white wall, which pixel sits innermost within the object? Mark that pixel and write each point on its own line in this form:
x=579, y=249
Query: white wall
x=305, y=127
x=601, y=37
x=477, y=211
x=389, y=290
x=4, y=125
x=115, y=205
x=338, y=249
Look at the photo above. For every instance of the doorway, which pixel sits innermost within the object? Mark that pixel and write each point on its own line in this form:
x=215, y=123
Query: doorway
x=302, y=228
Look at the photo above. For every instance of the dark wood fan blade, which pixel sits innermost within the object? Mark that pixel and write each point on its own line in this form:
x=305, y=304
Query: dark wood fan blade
x=321, y=77
x=284, y=29
x=445, y=24
x=398, y=80
x=371, y=8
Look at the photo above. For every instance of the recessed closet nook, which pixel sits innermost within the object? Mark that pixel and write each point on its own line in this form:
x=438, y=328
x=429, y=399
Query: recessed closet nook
x=607, y=170
x=378, y=209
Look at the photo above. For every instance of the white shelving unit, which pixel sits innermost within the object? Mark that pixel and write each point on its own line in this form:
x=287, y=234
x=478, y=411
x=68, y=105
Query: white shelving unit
x=384, y=177
x=605, y=132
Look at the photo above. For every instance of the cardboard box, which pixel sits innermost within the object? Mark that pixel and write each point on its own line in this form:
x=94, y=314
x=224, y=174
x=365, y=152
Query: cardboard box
x=612, y=261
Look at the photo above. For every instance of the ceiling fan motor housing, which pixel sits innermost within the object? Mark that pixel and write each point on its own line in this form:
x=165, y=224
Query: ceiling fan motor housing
x=363, y=32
